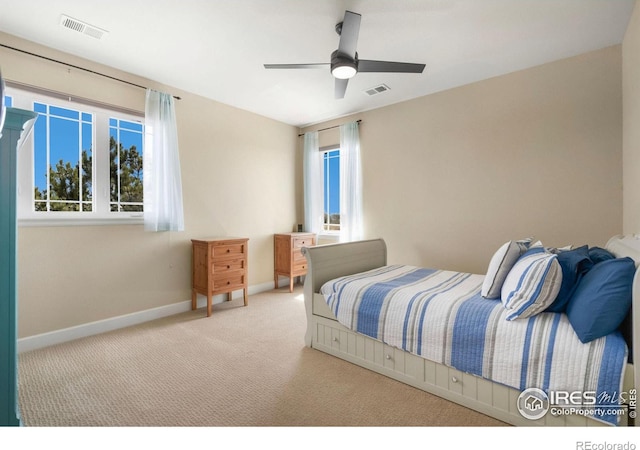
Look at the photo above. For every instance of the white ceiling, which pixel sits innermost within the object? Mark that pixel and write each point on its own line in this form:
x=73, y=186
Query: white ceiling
x=217, y=48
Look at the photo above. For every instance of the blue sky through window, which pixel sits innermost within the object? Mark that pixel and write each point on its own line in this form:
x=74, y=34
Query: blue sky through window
x=130, y=133
x=66, y=133
x=332, y=182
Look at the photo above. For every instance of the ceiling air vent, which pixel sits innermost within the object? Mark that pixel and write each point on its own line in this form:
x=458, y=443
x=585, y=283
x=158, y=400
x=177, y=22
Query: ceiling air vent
x=82, y=27
x=377, y=89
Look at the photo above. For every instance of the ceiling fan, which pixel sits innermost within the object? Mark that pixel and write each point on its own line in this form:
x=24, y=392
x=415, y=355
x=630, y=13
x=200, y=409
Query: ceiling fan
x=345, y=62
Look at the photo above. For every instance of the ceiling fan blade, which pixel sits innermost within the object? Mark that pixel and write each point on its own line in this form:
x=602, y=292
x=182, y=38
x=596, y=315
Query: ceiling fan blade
x=298, y=66
x=349, y=34
x=365, y=65
x=340, y=87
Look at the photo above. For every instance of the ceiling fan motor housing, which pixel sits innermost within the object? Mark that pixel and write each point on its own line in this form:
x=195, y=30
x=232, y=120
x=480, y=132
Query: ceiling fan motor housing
x=343, y=66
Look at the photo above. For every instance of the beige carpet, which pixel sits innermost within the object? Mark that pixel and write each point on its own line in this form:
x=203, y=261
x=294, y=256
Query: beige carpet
x=243, y=366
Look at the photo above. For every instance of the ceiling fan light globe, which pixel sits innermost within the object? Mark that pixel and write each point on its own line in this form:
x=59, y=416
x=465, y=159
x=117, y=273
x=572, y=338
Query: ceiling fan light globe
x=343, y=71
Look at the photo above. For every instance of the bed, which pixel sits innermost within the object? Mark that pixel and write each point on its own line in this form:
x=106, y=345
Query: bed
x=390, y=334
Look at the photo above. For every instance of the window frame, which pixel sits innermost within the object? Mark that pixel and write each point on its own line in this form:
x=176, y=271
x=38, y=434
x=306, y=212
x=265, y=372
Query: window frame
x=101, y=214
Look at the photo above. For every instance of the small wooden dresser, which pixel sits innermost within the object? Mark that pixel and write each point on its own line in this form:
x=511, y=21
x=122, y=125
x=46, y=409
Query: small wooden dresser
x=288, y=258
x=219, y=266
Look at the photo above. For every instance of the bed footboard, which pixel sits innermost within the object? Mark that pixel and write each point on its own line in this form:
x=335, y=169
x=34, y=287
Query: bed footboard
x=327, y=262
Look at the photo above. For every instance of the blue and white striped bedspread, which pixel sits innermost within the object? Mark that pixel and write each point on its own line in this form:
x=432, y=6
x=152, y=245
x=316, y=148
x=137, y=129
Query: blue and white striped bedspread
x=441, y=316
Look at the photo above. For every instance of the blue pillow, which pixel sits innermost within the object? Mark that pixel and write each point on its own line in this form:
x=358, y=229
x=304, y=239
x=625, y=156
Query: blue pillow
x=598, y=254
x=574, y=264
x=602, y=299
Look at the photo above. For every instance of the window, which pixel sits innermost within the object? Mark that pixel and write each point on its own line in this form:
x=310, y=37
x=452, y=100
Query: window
x=62, y=159
x=81, y=164
x=331, y=166
x=125, y=138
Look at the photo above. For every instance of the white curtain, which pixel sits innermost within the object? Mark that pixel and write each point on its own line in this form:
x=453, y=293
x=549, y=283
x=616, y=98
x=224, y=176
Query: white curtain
x=312, y=161
x=351, y=221
x=163, y=210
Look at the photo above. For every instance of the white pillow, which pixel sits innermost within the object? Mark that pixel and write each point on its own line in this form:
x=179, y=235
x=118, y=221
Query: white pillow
x=532, y=284
x=501, y=263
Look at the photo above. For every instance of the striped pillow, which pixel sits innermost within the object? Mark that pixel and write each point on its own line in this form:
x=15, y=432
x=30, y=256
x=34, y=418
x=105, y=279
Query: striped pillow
x=500, y=265
x=532, y=285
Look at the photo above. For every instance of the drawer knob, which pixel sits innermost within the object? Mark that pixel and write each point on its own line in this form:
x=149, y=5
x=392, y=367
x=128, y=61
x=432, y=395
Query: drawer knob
x=388, y=356
x=454, y=379
x=228, y=250
x=335, y=339
x=228, y=282
x=228, y=267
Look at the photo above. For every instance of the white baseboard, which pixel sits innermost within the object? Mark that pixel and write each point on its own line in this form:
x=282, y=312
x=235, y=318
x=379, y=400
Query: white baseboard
x=102, y=326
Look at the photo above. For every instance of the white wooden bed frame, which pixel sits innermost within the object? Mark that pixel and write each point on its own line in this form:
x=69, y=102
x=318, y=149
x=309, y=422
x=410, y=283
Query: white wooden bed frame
x=324, y=333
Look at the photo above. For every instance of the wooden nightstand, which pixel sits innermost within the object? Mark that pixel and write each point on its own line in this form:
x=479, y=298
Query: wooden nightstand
x=288, y=258
x=219, y=267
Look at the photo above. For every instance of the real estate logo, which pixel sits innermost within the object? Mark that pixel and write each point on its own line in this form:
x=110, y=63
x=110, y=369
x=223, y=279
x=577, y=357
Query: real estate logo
x=533, y=403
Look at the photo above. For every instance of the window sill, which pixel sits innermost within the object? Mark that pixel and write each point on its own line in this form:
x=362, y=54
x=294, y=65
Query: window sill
x=79, y=221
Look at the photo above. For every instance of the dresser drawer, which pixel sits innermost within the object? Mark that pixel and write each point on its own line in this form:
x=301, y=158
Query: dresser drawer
x=221, y=266
x=228, y=250
x=299, y=268
x=298, y=257
x=225, y=282
x=300, y=242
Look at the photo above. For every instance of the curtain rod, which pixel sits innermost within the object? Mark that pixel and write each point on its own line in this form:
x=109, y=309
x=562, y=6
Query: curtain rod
x=78, y=67
x=330, y=128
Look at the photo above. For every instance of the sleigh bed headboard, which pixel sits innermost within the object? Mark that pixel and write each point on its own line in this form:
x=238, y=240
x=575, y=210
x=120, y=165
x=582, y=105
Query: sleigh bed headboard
x=329, y=261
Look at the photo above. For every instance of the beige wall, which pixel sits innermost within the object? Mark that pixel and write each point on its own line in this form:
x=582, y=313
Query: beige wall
x=239, y=173
x=631, y=124
x=451, y=176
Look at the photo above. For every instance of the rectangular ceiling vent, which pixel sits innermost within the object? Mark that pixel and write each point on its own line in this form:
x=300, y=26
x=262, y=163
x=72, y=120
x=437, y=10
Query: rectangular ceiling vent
x=377, y=89
x=82, y=27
